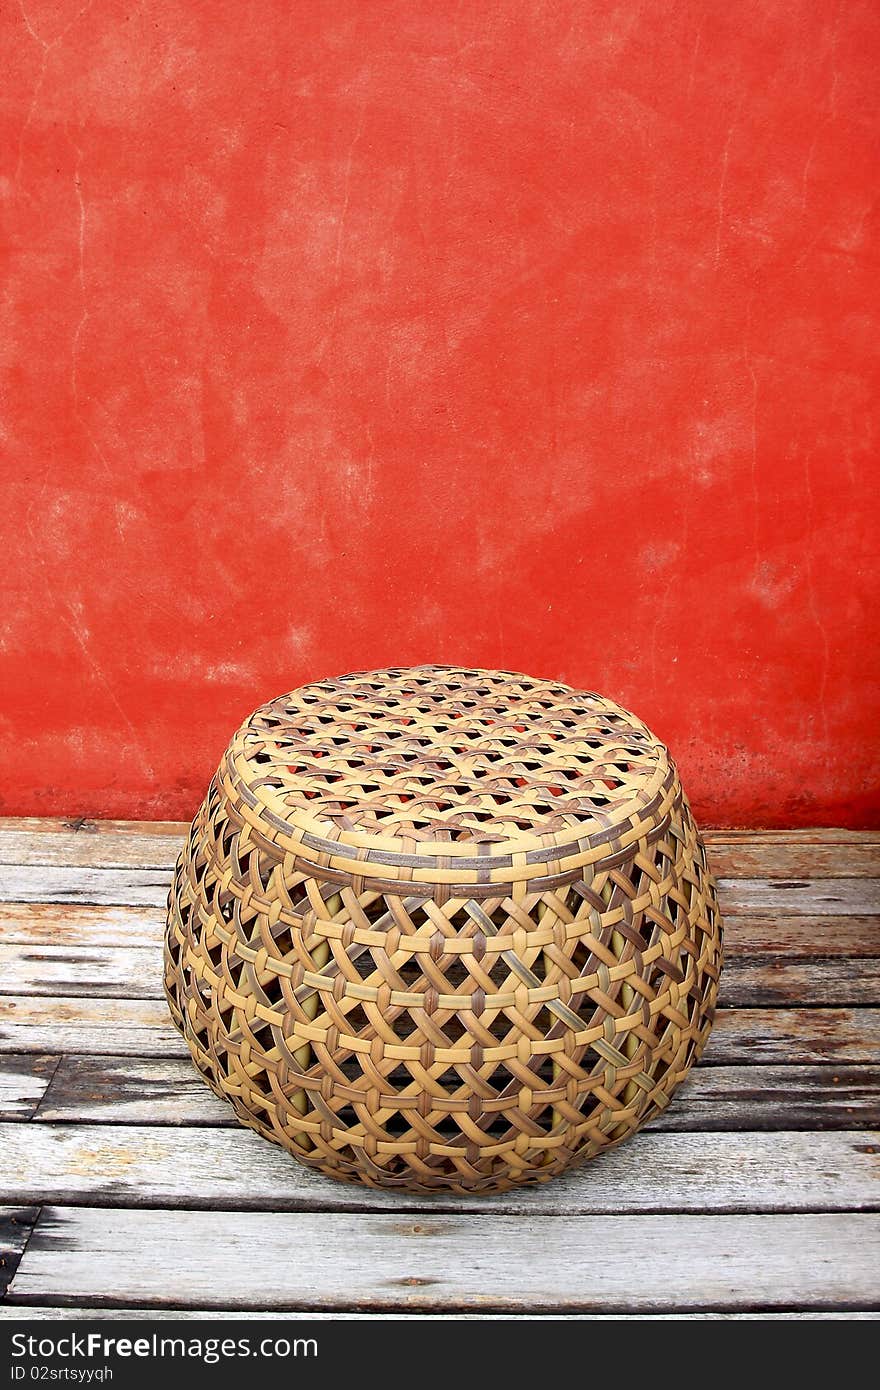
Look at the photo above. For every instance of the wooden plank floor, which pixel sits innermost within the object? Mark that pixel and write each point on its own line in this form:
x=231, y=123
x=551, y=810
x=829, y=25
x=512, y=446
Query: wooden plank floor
x=127, y=1187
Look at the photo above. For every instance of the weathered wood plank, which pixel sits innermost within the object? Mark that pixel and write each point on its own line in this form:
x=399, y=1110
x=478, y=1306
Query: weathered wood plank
x=151, y=1165
x=149, y=887
x=29, y=1312
x=856, y=855
x=794, y=1036
x=102, y=844
x=16, y=1224
x=130, y=972
x=142, y=1028
x=41, y=883
x=816, y=936
x=118, y=1027
x=830, y=897
x=775, y=1098
x=77, y=924
x=150, y=1090
x=136, y=973
x=385, y=1261
x=24, y=1081
x=771, y=981
x=119, y=1090
x=790, y=854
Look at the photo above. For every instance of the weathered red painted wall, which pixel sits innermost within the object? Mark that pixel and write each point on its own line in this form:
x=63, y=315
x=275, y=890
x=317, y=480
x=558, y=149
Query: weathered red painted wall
x=540, y=334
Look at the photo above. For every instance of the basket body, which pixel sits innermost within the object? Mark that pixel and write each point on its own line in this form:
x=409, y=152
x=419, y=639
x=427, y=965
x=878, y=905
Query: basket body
x=443, y=930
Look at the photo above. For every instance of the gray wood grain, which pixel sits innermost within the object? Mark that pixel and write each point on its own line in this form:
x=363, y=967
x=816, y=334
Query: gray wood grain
x=233, y=1168
x=770, y=981
x=775, y=1098
x=830, y=897
x=794, y=1036
x=149, y=1090
x=91, y=844
x=42, y=883
x=132, y=972
x=478, y=1263
x=83, y=924
x=815, y=936
x=778, y=854
x=109, y=1090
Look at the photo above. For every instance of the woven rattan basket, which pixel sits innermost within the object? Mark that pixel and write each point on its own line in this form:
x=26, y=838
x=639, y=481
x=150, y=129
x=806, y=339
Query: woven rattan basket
x=443, y=929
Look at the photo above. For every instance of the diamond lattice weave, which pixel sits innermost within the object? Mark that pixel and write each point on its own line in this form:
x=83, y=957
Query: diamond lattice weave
x=443, y=929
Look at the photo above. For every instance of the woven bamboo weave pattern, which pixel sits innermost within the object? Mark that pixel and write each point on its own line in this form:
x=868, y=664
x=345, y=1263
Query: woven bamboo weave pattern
x=443, y=929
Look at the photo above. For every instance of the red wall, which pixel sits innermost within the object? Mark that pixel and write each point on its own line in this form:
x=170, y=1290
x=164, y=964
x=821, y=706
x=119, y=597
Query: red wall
x=533, y=334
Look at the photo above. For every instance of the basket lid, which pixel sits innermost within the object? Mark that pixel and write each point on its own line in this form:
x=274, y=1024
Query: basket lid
x=441, y=778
